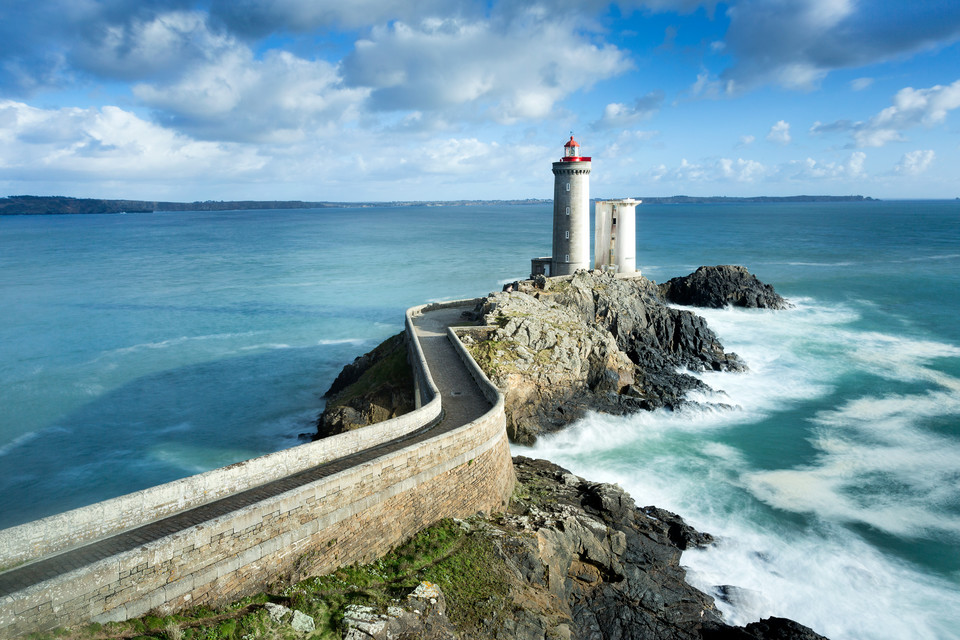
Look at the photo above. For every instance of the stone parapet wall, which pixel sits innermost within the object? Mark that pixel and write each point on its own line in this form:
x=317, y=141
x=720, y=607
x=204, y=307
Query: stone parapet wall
x=354, y=515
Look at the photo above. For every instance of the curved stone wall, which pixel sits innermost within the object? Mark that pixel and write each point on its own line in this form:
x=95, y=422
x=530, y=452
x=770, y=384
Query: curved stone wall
x=354, y=515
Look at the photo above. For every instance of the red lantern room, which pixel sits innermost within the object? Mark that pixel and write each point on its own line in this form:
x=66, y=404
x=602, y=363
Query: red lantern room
x=571, y=152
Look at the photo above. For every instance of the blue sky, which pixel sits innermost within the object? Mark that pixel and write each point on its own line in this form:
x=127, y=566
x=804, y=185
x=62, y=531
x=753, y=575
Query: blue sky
x=460, y=99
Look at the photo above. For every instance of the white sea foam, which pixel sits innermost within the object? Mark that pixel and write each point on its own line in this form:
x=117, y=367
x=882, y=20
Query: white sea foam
x=341, y=341
x=946, y=256
x=264, y=346
x=173, y=342
x=19, y=440
x=874, y=463
x=821, y=264
x=826, y=578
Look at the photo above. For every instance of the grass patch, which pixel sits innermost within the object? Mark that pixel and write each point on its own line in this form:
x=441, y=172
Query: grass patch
x=465, y=566
x=494, y=356
x=392, y=368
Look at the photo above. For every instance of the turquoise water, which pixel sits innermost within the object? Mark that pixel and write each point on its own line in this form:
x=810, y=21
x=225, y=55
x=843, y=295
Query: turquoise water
x=136, y=349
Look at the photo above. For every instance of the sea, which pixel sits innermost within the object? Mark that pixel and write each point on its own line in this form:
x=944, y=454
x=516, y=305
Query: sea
x=137, y=349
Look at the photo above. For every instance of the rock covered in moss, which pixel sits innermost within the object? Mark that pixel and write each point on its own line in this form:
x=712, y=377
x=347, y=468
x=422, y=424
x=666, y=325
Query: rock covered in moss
x=376, y=386
x=590, y=342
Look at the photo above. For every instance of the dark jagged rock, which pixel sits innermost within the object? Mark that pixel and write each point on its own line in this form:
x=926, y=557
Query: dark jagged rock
x=719, y=286
x=561, y=347
x=766, y=629
x=376, y=386
x=586, y=563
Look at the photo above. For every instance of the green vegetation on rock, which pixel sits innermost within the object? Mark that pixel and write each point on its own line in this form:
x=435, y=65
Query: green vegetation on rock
x=462, y=563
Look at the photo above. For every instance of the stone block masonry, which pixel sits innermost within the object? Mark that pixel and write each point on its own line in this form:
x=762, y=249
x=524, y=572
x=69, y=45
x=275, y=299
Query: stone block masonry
x=354, y=511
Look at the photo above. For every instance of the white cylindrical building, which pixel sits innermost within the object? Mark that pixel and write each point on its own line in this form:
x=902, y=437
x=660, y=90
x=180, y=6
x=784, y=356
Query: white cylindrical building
x=571, y=211
x=625, y=241
x=615, y=235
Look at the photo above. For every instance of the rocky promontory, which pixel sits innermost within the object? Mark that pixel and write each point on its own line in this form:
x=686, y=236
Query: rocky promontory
x=569, y=559
x=560, y=347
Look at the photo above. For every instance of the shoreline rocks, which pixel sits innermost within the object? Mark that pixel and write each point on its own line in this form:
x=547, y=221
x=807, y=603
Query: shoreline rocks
x=592, y=342
x=374, y=387
x=717, y=287
x=574, y=559
x=560, y=347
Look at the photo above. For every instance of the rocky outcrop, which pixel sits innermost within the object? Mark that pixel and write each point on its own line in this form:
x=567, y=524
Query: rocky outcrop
x=422, y=616
x=559, y=348
x=375, y=387
x=573, y=560
x=611, y=569
x=719, y=286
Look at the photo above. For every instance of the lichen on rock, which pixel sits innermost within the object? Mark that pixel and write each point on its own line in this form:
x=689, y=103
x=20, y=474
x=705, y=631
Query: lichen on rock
x=591, y=342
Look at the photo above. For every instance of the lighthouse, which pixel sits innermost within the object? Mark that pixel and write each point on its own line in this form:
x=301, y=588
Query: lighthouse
x=571, y=211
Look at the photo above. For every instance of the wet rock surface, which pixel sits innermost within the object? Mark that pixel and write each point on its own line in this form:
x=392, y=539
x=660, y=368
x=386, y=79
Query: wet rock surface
x=719, y=286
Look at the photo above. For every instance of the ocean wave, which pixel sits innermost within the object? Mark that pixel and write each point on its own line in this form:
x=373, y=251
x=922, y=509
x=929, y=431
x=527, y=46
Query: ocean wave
x=877, y=465
x=824, y=577
x=265, y=345
x=946, y=256
x=356, y=341
x=173, y=342
x=28, y=437
x=871, y=461
x=842, y=263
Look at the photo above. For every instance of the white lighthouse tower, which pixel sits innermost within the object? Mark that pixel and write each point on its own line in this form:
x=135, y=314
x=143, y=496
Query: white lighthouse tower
x=571, y=211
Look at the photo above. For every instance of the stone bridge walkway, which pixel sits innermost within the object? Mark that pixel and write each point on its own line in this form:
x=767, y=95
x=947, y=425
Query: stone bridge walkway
x=461, y=402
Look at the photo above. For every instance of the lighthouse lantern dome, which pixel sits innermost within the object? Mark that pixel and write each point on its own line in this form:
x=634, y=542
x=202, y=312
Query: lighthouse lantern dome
x=571, y=152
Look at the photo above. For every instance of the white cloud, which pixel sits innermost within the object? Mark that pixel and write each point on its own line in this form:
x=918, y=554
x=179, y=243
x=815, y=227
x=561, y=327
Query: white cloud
x=618, y=115
x=811, y=169
x=280, y=98
x=707, y=86
x=259, y=17
x=518, y=69
x=162, y=44
x=795, y=43
x=911, y=108
x=746, y=140
x=741, y=170
x=914, y=163
x=108, y=141
x=860, y=84
x=780, y=133
x=712, y=170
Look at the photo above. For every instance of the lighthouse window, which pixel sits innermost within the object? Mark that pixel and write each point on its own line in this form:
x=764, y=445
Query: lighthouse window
x=568, y=234
x=567, y=258
x=568, y=186
x=568, y=210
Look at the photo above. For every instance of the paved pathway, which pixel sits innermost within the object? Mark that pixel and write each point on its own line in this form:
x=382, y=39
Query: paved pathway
x=461, y=402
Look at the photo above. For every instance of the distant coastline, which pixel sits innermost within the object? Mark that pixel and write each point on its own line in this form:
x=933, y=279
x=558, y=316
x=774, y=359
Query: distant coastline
x=54, y=205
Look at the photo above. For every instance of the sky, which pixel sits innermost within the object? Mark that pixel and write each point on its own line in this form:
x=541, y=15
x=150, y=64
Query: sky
x=383, y=100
